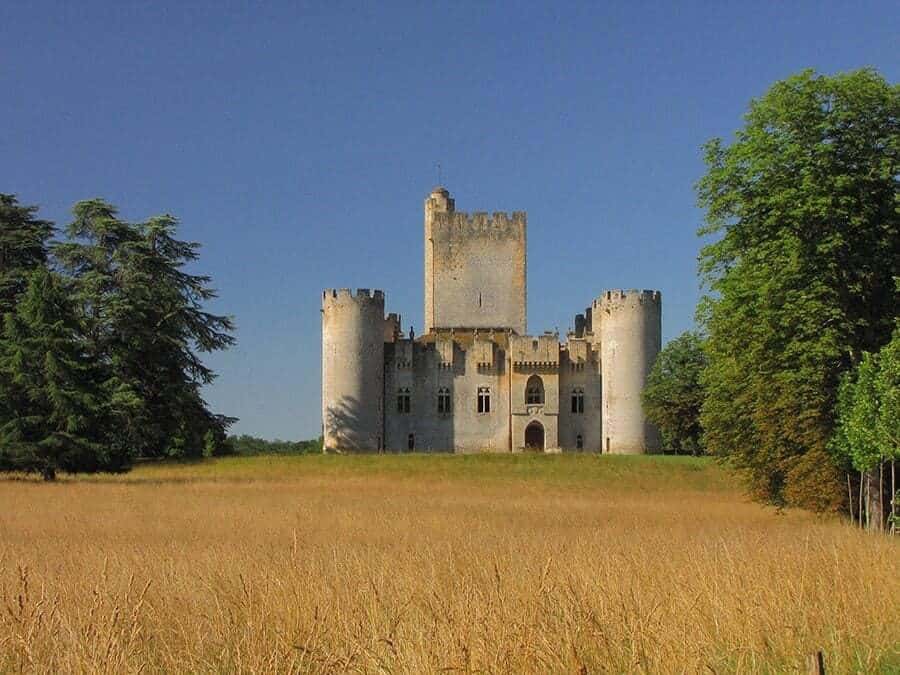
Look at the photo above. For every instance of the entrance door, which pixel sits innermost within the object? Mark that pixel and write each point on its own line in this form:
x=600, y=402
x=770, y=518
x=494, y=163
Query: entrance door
x=534, y=436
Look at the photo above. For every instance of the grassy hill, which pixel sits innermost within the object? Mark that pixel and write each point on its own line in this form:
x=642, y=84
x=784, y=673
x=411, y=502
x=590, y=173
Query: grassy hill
x=434, y=563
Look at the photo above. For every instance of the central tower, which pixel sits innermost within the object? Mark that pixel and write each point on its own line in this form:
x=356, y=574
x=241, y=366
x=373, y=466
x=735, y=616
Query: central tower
x=475, y=267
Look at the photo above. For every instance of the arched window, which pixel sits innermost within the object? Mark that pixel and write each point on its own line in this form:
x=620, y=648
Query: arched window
x=444, y=402
x=403, y=400
x=534, y=391
x=578, y=401
x=579, y=442
x=484, y=399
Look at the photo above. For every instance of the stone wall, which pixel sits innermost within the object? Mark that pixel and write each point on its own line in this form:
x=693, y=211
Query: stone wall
x=475, y=267
x=460, y=365
x=579, y=369
x=534, y=359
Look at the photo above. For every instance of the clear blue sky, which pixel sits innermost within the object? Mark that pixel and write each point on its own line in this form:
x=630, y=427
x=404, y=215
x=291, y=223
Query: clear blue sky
x=297, y=143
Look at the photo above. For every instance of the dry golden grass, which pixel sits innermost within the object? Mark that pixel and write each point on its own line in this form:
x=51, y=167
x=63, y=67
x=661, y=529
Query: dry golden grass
x=433, y=564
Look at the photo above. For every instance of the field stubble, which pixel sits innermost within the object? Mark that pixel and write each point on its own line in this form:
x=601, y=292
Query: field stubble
x=424, y=564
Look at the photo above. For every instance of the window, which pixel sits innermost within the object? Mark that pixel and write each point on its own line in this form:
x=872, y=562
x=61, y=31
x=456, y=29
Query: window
x=534, y=391
x=403, y=398
x=484, y=399
x=411, y=442
x=444, y=403
x=578, y=401
x=579, y=442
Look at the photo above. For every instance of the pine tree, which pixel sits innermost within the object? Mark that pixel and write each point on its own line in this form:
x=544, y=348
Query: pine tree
x=146, y=325
x=52, y=400
x=23, y=248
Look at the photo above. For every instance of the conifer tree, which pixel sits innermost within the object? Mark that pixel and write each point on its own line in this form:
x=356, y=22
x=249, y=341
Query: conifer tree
x=23, y=247
x=145, y=323
x=51, y=398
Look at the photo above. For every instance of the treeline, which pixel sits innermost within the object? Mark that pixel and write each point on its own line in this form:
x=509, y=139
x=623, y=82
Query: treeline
x=794, y=377
x=102, y=336
x=250, y=445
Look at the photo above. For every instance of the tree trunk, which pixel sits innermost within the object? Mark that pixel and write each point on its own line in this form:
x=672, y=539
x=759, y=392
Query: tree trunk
x=850, y=498
x=893, y=498
x=860, y=510
x=874, y=499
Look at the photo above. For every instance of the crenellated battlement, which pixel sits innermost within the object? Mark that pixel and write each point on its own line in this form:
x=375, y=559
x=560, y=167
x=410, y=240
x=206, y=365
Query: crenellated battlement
x=618, y=297
x=363, y=296
x=453, y=224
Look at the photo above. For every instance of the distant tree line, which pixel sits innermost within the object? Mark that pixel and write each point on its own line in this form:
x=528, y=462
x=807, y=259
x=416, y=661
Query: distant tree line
x=793, y=378
x=101, y=343
x=250, y=445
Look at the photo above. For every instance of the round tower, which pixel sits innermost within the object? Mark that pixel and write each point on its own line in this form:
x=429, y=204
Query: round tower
x=353, y=369
x=630, y=331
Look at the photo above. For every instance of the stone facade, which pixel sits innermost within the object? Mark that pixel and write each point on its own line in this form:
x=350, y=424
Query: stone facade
x=475, y=381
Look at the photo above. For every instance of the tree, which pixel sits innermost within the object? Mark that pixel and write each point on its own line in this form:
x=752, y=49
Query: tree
x=145, y=323
x=52, y=400
x=673, y=395
x=23, y=248
x=804, y=204
x=868, y=426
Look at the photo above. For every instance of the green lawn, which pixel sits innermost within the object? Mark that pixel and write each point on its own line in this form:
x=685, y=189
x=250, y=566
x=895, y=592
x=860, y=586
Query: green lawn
x=640, y=473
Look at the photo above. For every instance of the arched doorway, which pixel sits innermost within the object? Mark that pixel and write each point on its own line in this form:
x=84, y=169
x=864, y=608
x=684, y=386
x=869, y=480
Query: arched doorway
x=534, y=436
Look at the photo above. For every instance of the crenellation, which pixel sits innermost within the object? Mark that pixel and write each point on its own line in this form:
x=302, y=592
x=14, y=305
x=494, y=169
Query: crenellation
x=475, y=380
x=479, y=223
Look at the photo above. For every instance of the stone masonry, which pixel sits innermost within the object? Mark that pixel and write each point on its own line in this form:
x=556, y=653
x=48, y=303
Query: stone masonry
x=474, y=380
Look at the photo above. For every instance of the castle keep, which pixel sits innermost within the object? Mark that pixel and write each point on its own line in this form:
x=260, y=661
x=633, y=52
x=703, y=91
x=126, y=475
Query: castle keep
x=475, y=380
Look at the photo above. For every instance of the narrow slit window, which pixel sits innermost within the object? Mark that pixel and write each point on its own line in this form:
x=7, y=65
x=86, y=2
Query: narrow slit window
x=579, y=442
x=411, y=442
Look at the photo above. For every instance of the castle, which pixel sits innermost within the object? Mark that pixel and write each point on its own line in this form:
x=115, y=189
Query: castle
x=475, y=380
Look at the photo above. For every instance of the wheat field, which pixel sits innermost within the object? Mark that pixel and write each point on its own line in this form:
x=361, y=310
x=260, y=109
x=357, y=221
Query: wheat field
x=428, y=564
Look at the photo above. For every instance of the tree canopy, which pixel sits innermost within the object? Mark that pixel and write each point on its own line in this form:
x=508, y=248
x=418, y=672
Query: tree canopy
x=52, y=398
x=803, y=206
x=101, y=360
x=23, y=248
x=673, y=395
x=145, y=324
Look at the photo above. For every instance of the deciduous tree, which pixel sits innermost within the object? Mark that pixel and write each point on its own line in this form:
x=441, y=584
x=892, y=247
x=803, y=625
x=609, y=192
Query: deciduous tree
x=804, y=208
x=673, y=395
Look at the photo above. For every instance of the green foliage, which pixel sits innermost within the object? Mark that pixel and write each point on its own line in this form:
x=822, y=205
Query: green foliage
x=673, y=395
x=250, y=445
x=868, y=409
x=144, y=323
x=52, y=399
x=805, y=207
x=23, y=248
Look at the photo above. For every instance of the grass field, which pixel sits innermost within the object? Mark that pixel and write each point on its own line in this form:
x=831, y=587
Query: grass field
x=420, y=564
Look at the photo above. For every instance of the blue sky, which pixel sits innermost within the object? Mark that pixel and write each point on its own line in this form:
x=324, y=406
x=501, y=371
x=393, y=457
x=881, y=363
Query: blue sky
x=298, y=141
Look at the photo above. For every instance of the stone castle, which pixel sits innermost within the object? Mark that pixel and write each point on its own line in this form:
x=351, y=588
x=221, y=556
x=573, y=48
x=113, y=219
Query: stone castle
x=475, y=380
